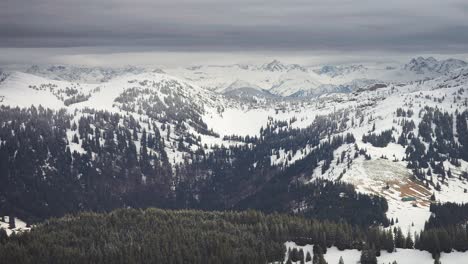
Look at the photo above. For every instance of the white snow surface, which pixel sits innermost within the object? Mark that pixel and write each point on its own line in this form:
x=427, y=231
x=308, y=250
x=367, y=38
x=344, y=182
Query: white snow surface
x=401, y=256
x=20, y=226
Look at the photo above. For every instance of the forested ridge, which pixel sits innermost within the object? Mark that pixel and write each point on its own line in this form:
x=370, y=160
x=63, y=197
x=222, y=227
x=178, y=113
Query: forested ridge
x=191, y=236
x=58, y=162
x=185, y=236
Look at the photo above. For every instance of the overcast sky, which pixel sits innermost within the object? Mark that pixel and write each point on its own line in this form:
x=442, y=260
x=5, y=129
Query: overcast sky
x=59, y=28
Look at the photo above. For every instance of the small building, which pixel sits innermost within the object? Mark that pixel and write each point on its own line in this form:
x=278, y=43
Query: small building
x=408, y=199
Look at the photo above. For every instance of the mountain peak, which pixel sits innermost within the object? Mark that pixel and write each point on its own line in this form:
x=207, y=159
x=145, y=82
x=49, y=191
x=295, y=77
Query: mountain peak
x=274, y=65
x=277, y=66
x=275, y=61
x=428, y=65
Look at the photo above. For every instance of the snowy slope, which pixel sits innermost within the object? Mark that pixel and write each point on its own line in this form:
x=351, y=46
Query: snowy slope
x=239, y=84
x=244, y=90
x=24, y=89
x=293, y=82
x=18, y=90
x=217, y=78
x=20, y=226
x=401, y=256
x=361, y=108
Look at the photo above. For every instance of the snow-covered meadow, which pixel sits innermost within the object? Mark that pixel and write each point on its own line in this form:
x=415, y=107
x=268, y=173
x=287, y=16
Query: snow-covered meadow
x=401, y=256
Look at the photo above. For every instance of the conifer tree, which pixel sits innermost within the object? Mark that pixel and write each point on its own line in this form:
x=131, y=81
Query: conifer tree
x=301, y=255
x=409, y=241
x=295, y=255
x=11, y=222
x=318, y=255
x=3, y=236
x=368, y=256
x=341, y=261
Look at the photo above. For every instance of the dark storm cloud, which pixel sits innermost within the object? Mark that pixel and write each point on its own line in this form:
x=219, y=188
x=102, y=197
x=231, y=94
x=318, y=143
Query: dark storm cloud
x=421, y=25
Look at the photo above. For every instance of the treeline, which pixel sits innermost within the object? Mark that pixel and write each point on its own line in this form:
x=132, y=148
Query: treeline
x=400, y=112
x=446, y=229
x=447, y=214
x=76, y=99
x=462, y=130
x=443, y=239
x=187, y=236
x=321, y=199
x=380, y=140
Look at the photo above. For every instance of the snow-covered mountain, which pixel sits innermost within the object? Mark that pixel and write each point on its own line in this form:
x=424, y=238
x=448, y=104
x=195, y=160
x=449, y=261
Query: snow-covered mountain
x=430, y=65
x=200, y=119
x=299, y=81
x=276, y=77
x=247, y=91
x=277, y=66
x=294, y=82
x=240, y=84
x=85, y=74
x=416, y=69
x=334, y=71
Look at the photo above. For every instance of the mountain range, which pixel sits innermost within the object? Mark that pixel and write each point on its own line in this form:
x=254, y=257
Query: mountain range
x=229, y=137
x=276, y=77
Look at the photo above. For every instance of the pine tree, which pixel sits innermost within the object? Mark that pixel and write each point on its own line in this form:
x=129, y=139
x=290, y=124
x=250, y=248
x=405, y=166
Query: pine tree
x=368, y=256
x=409, y=241
x=388, y=243
x=75, y=139
x=3, y=235
x=301, y=256
x=318, y=255
x=11, y=221
x=295, y=255
x=341, y=260
x=400, y=241
x=135, y=134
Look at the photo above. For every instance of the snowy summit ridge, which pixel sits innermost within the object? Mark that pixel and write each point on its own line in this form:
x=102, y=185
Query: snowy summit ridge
x=423, y=65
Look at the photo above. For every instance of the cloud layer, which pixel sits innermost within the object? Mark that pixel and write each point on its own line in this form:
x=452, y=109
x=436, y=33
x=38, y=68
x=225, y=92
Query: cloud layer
x=346, y=25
